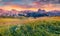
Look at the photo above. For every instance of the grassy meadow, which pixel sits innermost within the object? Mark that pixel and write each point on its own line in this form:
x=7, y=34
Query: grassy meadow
x=43, y=26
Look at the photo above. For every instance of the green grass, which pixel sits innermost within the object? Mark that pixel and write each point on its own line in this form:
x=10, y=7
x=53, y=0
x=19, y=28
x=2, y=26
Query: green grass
x=32, y=28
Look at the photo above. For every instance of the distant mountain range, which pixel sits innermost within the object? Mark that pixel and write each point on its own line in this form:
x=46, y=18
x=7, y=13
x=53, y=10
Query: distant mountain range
x=28, y=13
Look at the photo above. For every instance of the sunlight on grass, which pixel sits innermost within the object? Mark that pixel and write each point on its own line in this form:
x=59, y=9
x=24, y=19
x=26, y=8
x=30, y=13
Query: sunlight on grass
x=43, y=26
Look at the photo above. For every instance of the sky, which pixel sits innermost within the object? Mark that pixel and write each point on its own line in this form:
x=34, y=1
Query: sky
x=33, y=5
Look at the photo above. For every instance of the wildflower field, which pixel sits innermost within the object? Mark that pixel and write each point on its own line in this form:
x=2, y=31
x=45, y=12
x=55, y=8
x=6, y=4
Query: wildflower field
x=43, y=26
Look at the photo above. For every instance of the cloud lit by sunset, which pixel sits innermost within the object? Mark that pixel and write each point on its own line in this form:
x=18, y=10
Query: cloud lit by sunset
x=33, y=5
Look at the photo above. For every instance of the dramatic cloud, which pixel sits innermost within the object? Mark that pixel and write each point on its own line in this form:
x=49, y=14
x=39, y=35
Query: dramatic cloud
x=49, y=1
x=30, y=4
